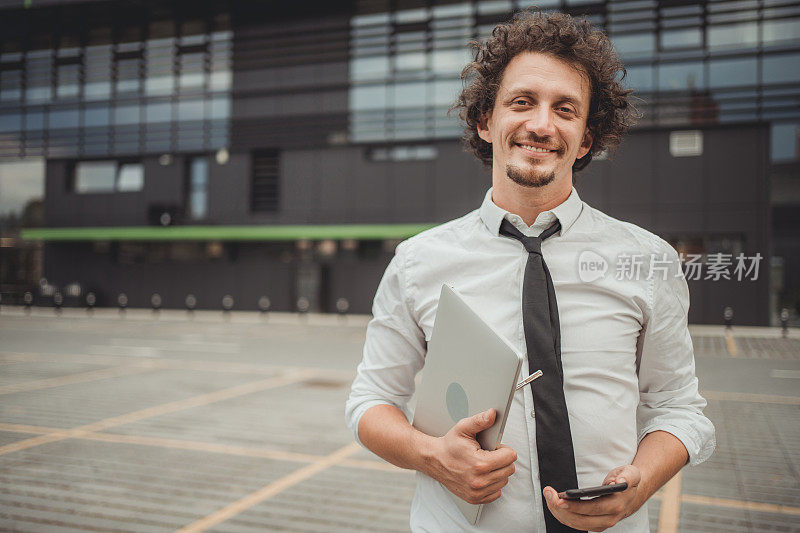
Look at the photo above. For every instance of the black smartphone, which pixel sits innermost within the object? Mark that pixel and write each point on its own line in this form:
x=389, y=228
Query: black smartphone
x=602, y=490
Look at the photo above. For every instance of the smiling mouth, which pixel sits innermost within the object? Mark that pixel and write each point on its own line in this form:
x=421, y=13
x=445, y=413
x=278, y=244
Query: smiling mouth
x=535, y=149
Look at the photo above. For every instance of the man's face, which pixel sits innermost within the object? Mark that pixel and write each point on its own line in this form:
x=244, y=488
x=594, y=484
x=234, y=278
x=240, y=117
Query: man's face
x=537, y=127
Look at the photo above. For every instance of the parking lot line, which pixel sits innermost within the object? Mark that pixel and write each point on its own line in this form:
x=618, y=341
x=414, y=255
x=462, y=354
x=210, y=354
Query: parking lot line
x=170, y=407
x=268, y=491
x=738, y=504
x=749, y=397
x=81, y=377
x=669, y=514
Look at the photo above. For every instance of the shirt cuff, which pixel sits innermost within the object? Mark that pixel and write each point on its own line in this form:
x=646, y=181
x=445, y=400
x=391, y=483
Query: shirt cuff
x=359, y=411
x=698, y=450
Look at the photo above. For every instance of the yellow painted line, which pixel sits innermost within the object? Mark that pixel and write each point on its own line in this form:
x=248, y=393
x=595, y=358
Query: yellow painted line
x=749, y=397
x=226, y=449
x=670, y=512
x=730, y=344
x=172, y=364
x=82, y=377
x=179, y=405
x=375, y=465
x=274, y=488
x=738, y=504
x=21, y=428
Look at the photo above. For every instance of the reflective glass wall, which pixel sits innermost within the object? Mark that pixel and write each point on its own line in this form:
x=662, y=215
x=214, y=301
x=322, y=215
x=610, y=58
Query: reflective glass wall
x=116, y=87
x=690, y=63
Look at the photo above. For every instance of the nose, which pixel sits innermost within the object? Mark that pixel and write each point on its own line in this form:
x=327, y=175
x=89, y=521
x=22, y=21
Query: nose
x=540, y=122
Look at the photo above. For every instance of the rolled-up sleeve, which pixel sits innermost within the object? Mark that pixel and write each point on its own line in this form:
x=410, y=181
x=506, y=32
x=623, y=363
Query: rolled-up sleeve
x=394, y=350
x=668, y=389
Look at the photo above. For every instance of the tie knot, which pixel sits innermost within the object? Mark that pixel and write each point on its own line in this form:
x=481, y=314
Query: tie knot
x=532, y=244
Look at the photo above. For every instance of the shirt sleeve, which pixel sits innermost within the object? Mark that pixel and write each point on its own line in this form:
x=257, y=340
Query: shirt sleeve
x=668, y=393
x=394, y=350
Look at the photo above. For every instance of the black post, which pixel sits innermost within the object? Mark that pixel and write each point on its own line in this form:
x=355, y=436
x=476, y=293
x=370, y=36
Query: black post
x=191, y=303
x=122, y=302
x=58, y=301
x=91, y=301
x=784, y=322
x=27, y=299
x=727, y=314
x=155, y=303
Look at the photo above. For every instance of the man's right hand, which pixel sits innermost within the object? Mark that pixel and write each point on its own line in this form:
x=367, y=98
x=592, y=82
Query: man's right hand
x=458, y=462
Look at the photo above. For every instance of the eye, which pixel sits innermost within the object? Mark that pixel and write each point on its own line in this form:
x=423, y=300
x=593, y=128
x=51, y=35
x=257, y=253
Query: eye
x=520, y=101
x=565, y=109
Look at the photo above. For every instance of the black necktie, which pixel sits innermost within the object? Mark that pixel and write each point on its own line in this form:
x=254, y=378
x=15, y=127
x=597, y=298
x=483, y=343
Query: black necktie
x=543, y=341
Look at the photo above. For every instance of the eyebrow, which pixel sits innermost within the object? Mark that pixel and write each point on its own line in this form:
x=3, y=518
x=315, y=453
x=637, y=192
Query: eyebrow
x=561, y=98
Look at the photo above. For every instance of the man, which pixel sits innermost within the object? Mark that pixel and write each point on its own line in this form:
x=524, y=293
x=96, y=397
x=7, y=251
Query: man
x=543, y=97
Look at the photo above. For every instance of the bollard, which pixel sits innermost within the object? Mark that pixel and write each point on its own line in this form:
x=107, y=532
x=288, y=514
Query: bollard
x=58, y=301
x=91, y=301
x=227, y=305
x=727, y=315
x=122, y=302
x=784, y=323
x=191, y=303
x=303, y=305
x=27, y=299
x=263, y=306
x=342, y=306
x=155, y=303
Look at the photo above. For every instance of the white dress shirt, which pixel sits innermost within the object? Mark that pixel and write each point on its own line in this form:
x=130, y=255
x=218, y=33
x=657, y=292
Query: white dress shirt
x=625, y=347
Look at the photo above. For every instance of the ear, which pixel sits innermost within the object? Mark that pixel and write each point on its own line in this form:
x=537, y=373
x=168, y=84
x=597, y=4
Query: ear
x=483, y=128
x=586, y=144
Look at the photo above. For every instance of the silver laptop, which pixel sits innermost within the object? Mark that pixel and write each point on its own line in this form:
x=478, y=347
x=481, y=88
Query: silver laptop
x=469, y=368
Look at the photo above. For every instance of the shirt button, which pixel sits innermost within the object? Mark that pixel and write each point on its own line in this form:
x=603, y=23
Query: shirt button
x=533, y=413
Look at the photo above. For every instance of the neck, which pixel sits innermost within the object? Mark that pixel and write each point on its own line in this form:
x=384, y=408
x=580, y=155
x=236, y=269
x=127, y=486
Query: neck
x=528, y=202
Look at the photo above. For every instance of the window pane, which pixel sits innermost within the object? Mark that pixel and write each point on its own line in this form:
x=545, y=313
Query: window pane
x=198, y=187
x=95, y=176
x=369, y=68
x=774, y=31
x=681, y=76
x=691, y=37
x=781, y=68
x=785, y=139
x=21, y=184
x=64, y=118
x=635, y=45
x=733, y=35
x=639, y=78
x=131, y=177
x=732, y=72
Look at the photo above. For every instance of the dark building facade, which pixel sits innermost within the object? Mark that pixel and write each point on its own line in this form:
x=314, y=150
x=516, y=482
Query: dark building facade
x=227, y=148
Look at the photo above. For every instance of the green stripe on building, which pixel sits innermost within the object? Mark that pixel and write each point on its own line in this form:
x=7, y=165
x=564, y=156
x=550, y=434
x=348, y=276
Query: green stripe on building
x=227, y=233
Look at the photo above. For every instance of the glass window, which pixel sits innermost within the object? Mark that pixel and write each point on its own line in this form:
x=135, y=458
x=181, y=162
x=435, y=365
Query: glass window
x=158, y=112
x=10, y=122
x=784, y=142
x=34, y=120
x=732, y=72
x=635, y=44
x=449, y=61
x=96, y=116
x=38, y=76
x=97, y=72
x=191, y=70
x=198, y=188
x=67, y=81
x=681, y=76
x=445, y=92
x=130, y=177
x=94, y=176
x=126, y=114
x=64, y=118
x=781, y=68
x=190, y=109
x=369, y=68
x=742, y=35
x=368, y=97
x=10, y=85
x=639, y=78
x=414, y=61
x=220, y=107
x=683, y=38
x=21, y=184
x=128, y=75
x=410, y=94
x=775, y=31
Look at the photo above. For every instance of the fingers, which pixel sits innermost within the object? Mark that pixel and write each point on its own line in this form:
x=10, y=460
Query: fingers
x=475, y=424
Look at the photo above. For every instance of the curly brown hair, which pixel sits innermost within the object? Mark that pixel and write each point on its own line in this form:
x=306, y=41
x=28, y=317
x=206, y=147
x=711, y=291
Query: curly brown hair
x=572, y=41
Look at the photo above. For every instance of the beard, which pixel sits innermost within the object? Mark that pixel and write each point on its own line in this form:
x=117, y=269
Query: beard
x=530, y=177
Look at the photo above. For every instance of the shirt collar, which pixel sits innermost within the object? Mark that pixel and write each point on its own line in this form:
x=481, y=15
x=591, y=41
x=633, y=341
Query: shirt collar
x=566, y=212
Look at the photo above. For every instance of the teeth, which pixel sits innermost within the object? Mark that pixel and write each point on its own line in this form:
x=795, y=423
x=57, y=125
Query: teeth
x=533, y=148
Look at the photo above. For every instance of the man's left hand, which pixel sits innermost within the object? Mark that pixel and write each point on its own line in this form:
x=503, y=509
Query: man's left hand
x=599, y=513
